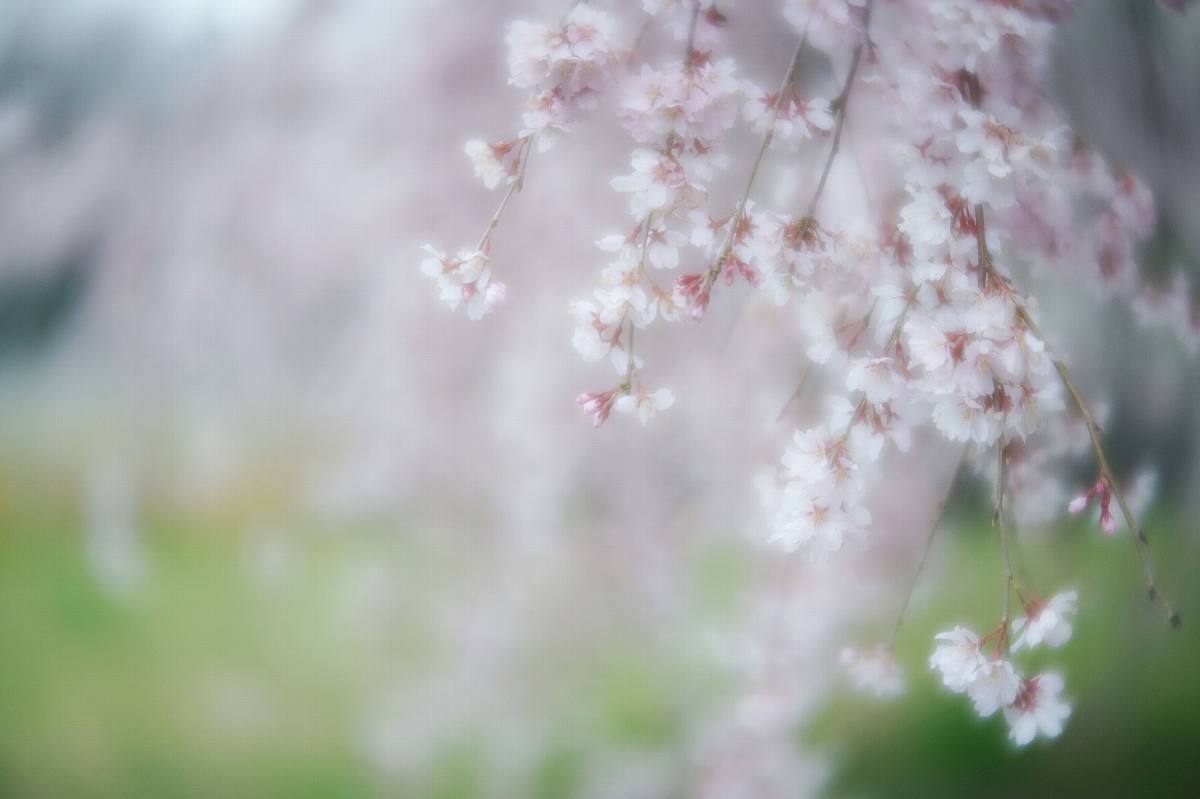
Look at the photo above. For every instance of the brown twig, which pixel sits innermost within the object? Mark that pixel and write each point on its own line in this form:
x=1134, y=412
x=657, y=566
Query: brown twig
x=999, y=523
x=691, y=36
x=934, y=526
x=740, y=209
x=840, y=104
x=629, y=367
x=989, y=275
x=515, y=186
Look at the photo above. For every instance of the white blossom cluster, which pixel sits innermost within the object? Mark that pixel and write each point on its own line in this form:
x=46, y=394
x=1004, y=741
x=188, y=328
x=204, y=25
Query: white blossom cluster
x=565, y=67
x=978, y=667
x=912, y=315
x=677, y=114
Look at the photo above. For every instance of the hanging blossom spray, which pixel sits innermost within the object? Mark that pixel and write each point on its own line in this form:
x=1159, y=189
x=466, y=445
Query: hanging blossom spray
x=915, y=320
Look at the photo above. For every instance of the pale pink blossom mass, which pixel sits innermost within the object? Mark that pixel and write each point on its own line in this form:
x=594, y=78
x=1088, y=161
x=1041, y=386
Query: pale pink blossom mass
x=911, y=313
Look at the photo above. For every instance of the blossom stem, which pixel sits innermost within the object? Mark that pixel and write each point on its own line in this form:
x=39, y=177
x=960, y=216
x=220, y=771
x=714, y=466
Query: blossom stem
x=768, y=137
x=691, y=36
x=860, y=409
x=1139, y=536
x=517, y=184
x=840, y=103
x=795, y=395
x=641, y=36
x=567, y=14
x=934, y=526
x=649, y=223
x=998, y=522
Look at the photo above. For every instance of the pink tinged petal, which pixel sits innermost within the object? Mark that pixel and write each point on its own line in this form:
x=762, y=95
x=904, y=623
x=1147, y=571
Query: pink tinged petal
x=1108, y=522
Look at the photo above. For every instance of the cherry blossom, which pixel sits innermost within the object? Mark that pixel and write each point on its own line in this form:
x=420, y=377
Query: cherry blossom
x=658, y=182
x=874, y=671
x=494, y=162
x=645, y=403
x=903, y=294
x=1037, y=709
x=597, y=405
x=466, y=280
x=993, y=685
x=565, y=67
x=1046, y=622
x=830, y=24
x=791, y=117
x=957, y=657
x=1102, y=491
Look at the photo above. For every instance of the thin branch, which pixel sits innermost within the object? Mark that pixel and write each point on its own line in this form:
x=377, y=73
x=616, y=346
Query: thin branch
x=988, y=274
x=518, y=184
x=934, y=526
x=840, y=104
x=860, y=409
x=1139, y=536
x=691, y=36
x=998, y=522
x=862, y=326
x=649, y=223
x=795, y=394
x=515, y=186
x=641, y=36
x=740, y=209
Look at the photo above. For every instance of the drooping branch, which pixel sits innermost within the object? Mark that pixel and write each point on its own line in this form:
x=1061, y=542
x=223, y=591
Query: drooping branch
x=840, y=106
x=517, y=184
x=740, y=210
x=989, y=275
x=643, y=247
x=999, y=523
x=934, y=526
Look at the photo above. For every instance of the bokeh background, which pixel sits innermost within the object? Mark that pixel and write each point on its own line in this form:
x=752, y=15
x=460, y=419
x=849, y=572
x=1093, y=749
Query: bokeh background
x=273, y=522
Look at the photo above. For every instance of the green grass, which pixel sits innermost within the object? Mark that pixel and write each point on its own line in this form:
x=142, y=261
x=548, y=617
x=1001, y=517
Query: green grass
x=207, y=681
x=210, y=682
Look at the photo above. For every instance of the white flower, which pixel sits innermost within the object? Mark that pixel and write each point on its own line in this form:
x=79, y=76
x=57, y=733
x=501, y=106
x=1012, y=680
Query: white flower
x=1037, y=708
x=875, y=378
x=994, y=685
x=494, y=162
x=484, y=300
x=969, y=30
x=957, y=657
x=928, y=344
x=658, y=183
x=694, y=105
x=926, y=221
x=465, y=280
x=874, y=671
x=594, y=329
x=830, y=25
x=795, y=118
x=564, y=66
x=1047, y=623
x=964, y=419
x=646, y=403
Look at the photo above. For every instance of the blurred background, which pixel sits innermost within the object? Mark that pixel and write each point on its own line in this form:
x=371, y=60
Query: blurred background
x=273, y=522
